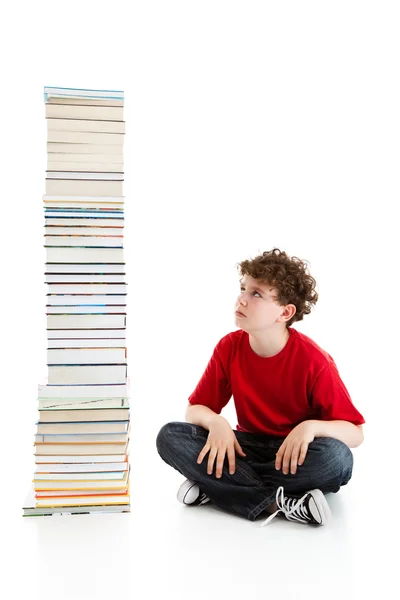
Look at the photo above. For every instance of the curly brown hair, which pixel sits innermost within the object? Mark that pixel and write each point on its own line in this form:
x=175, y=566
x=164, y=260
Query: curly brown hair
x=288, y=275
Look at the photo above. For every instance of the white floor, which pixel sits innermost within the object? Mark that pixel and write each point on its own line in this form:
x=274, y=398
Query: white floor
x=163, y=549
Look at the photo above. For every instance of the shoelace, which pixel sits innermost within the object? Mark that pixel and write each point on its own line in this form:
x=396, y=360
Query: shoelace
x=293, y=508
x=203, y=499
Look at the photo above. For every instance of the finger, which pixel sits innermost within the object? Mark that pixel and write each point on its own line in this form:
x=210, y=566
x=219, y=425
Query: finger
x=238, y=448
x=279, y=455
x=211, y=459
x=231, y=459
x=286, y=459
x=220, y=462
x=303, y=453
x=203, y=452
x=294, y=459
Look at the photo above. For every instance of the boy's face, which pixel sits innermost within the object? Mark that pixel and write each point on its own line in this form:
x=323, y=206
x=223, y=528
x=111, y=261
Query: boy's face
x=256, y=301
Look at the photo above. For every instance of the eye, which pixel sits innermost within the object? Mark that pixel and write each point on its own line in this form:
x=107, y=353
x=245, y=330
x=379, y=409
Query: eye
x=255, y=292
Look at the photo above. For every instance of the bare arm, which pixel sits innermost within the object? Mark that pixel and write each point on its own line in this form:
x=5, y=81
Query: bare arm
x=201, y=415
x=346, y=432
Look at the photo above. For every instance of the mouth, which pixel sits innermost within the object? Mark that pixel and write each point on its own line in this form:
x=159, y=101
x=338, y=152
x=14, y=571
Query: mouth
x=239, y=314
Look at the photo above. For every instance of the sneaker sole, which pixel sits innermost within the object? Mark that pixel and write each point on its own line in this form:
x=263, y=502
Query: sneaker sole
x=322, y=506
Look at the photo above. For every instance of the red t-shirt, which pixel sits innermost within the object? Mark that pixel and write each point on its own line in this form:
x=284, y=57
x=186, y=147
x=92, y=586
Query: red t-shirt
x=274, y=394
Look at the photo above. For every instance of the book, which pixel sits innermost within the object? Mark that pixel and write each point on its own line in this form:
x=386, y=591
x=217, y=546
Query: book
x=61, y=438
x=82, y=111
x=101, y=222
x=87, y=334
x=89, y=241
x=87, y=309
x=86, y=343
x=86, y=321
x=70, y=481
x=66, y=300
x=81, y=467
x=115, y=214
x=84, y=101
x=86, y=137
x=87, y=288
x=81, y=278
x=81, y=449
x=83, y=187
x=81, y=501
x=83, y=427
x=83, y=414
x=54, y=148
x=70, y=374
x=99, y=268
x=86, y=356
x=89, y=166
x=60, y=403
x=85, y=175
x=87, y=125
x=86, y=255
x=64, y=92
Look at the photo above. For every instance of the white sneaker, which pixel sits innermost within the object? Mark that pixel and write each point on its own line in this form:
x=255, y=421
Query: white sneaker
x=312, y=508
x=190, y=494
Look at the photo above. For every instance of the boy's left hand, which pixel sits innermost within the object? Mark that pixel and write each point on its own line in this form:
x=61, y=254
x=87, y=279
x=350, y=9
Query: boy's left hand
x=294, y=448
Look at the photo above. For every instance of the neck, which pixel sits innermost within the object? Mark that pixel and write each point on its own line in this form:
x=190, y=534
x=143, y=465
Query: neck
x=269, y=343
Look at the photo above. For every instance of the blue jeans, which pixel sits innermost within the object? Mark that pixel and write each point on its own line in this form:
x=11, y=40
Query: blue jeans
x=328, y=465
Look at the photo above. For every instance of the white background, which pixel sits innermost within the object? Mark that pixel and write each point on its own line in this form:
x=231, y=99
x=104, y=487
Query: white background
x=249, y=125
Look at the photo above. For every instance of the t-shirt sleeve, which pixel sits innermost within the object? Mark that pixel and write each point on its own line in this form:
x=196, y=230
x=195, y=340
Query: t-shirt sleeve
x=330, y=398
x=214, y=388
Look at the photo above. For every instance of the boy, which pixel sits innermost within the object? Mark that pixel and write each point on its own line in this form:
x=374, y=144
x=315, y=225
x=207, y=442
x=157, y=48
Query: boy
x=296, y=421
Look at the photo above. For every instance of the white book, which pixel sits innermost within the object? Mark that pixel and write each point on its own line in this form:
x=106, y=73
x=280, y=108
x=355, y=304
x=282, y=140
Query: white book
x=82, y=392
x=117, y=200
x=83, y=187
x=50, y=468
x=82, y=501
x=72, y=374
x=90, y=241
x=85, y=255
x=87, y=459
x=103, y=448
x=87, y=309
x=86, y=321
x=90, y=125
x=86, y=232
x=86, y=356
x=102, y=176
x=85, y=222
x=81, y=468
x=85, y=278
x=84, y=101
x=85, y=268
x=83, y=427
x=54, y=148
x=87, y=334
x=81, y=438
x=76, y=111
x=84, y=343
x=87, y=288
x=97, y=167
x=82, y=157
x=83, y=300
x=86, y=137
x=102, y=476
x=52, y=91
x=88, y=403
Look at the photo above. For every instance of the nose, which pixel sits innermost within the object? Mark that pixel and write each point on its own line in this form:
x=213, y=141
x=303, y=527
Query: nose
x=241, y=300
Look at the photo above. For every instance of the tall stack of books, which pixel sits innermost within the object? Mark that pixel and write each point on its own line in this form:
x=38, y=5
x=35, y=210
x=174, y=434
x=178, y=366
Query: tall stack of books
x=81, y=444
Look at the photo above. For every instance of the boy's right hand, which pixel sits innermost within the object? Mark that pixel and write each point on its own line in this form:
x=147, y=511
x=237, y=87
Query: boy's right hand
x=221, y=440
